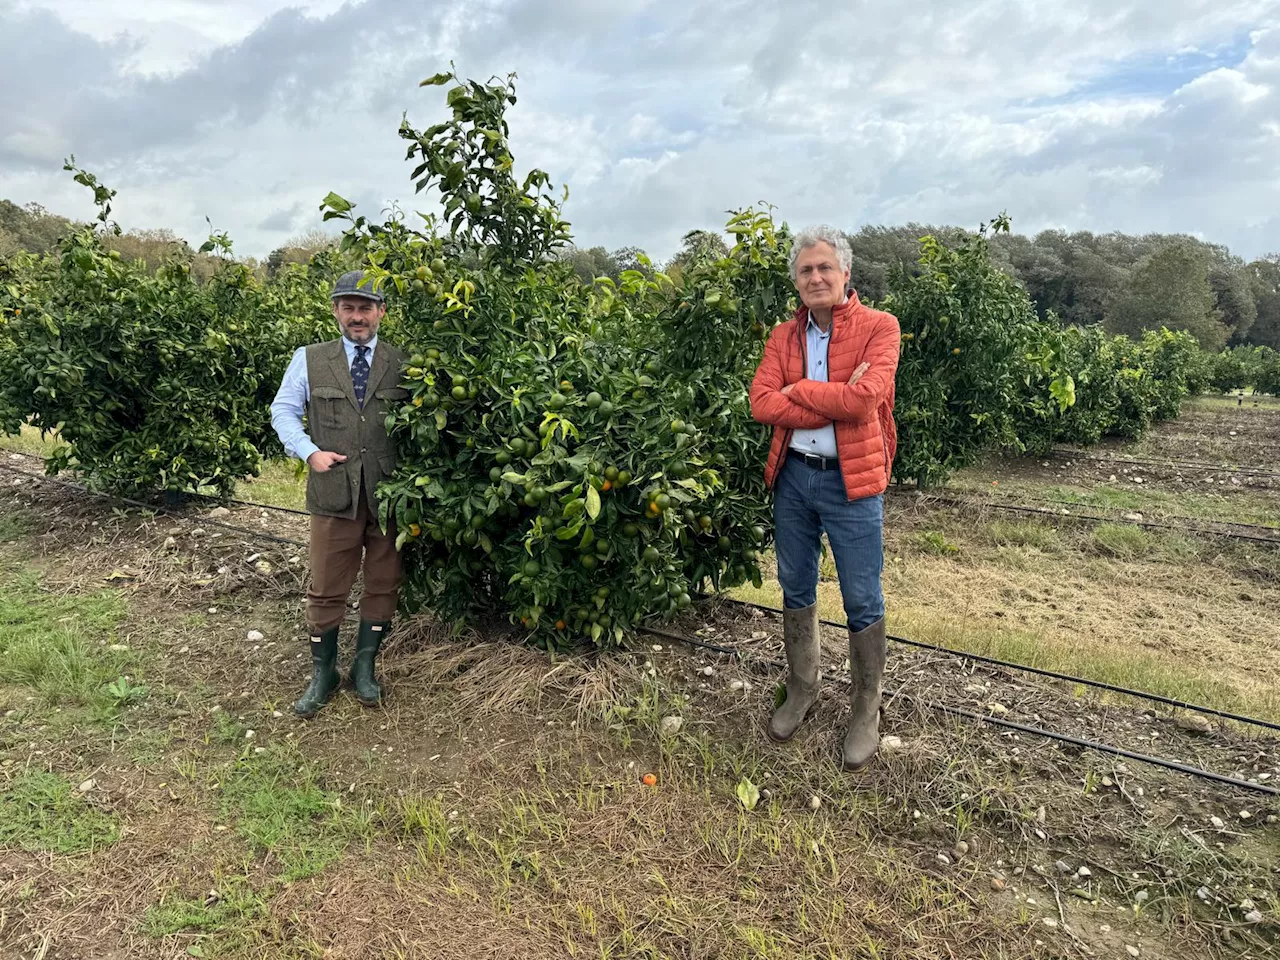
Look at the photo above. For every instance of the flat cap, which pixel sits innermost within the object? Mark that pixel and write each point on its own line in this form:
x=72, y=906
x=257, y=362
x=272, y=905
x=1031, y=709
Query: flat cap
x=354, y=284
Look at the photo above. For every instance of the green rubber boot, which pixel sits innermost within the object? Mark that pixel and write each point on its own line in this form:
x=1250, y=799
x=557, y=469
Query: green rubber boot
x=368, y=642
x=324, y=676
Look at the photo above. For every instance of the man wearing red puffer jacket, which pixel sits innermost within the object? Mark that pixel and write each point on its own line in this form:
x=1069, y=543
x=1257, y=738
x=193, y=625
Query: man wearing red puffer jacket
x=825, y=385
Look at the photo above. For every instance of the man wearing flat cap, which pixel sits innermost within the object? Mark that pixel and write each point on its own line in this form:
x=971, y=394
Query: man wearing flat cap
x=345, y=387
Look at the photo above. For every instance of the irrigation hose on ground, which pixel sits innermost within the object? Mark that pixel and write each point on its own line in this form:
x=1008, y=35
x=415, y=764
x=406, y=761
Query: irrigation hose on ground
x=909, y=698
x=1186, y=466
x=1067, y=738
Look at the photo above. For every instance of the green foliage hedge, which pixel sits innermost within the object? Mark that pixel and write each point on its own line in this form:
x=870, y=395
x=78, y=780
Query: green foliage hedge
x=576, y=457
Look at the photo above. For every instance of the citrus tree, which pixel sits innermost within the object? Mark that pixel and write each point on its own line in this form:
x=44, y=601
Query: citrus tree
x=151, y=380
x=967, y=330
x=576, y=457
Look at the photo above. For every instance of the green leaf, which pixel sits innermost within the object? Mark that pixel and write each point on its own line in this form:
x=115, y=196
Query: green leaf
x=748, y=794
x=593, y=502
x=335, y=203
x=439, y=80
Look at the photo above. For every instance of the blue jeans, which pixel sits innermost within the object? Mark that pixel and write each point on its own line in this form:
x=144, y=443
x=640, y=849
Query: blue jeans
x=806, y=502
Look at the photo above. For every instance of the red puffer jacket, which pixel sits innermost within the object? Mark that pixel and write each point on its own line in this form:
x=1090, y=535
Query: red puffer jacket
x=866, y=438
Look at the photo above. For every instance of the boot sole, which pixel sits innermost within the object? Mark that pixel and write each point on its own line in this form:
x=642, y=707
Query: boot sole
x=859, y=768
x=320, y=706
x=803, y=720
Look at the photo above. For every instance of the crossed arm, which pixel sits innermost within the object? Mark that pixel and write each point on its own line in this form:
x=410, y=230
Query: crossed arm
x=810, y=404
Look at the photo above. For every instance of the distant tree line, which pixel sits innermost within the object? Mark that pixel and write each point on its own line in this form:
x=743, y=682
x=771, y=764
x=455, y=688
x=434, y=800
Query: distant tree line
x=1126, y=283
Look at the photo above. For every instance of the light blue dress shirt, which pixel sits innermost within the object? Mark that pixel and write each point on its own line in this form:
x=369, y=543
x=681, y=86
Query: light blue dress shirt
x=822, y=441
x=292, y=397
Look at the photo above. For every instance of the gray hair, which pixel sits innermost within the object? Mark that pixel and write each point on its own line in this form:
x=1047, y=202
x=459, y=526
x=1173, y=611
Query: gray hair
x=812, y=236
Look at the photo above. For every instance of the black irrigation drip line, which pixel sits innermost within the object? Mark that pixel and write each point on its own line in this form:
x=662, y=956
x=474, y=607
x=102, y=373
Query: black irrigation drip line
x=1038, y=671
x=1185, y=466
x=1190, y=527
x=1028, y=729
x=153, y=508
x=1169, y=518
x=893, y=695
x=269, y=506
x=195, y=496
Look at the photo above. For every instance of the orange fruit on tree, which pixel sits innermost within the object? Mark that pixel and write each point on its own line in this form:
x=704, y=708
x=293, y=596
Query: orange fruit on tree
x=414, y=529
x=606, y=486
x=560, y=624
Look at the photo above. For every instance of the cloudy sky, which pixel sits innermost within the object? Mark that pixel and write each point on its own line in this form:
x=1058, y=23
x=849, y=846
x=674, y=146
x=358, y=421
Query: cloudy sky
x=1130, y=115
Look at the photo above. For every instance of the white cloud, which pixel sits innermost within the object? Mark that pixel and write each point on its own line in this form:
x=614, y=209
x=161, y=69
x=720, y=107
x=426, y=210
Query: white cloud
x=662, y=115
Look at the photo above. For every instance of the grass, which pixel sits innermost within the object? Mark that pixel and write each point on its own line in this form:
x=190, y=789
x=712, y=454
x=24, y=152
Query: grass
x=41, y=811
x=281, y=809
x=281, y=484
x=60, y=646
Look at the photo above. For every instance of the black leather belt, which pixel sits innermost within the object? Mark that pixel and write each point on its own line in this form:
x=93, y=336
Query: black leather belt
x=812, y=460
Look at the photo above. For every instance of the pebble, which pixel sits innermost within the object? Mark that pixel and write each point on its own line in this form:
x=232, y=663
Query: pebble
x=250, y=734
x=198, y=532
x=1131, y=950
x=217, y=513
x=1194, y=723
x=708, y=671
x=1051, y=923
x=1142, y=896
x=998, y=709
x=944, y=860
x=670, y=726
x=255, y=636
x=87, y=785
x=737, y=686
x=263, y=567
x=1105, y=928
x=815, y=803
x=1247, y=904
x=1217, y=823
x=1063, y=867
x=170, y=543
x=961, y=848
x=656, y=648
x=184, y=650
x=1253, y=916
x=1084, y=873
x=976, y=689
x=277, y=714
x=1108, y=782
x=118, y=647
x=890, y=744
x=1245, y=815
x=997, y=884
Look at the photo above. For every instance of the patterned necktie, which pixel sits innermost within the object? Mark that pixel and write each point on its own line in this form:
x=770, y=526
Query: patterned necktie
x=360, y=374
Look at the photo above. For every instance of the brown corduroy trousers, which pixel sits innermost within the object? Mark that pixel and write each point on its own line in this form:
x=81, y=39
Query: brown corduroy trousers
x=336, y=547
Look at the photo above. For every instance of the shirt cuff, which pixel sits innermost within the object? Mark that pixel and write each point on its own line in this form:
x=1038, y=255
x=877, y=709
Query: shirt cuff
x=304, y=449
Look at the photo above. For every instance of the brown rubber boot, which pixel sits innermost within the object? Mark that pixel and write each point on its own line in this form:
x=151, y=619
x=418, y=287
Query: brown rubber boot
x=804, y=657
x=866, y=674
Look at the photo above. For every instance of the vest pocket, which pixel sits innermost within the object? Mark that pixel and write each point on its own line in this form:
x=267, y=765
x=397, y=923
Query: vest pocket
x=325, y=406
x=330, y=492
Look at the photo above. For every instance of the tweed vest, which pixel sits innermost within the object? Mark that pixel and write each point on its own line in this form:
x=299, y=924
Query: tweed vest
x=338, y=424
